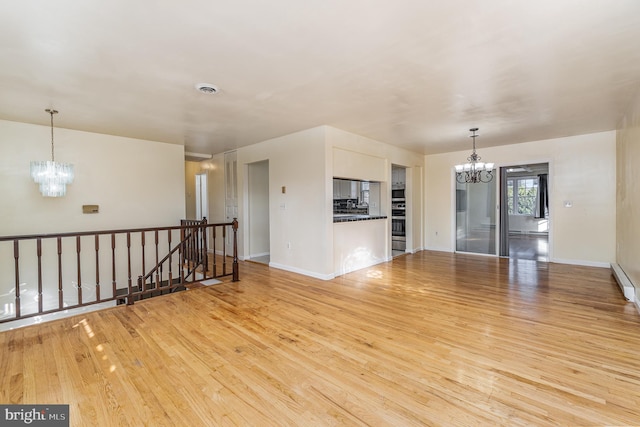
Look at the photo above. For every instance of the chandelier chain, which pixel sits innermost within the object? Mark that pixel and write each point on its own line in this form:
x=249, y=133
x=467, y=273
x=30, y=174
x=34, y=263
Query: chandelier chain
x=51, y=112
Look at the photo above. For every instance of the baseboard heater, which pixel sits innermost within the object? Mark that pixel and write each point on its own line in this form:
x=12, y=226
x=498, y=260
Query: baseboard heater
x=625, y=284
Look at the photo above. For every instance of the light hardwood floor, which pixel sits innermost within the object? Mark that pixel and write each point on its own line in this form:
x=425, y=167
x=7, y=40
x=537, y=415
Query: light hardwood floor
x=427, y=339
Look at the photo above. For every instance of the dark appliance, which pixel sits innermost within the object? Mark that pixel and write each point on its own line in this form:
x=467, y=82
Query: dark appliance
x=398, y=225
x=397, y=195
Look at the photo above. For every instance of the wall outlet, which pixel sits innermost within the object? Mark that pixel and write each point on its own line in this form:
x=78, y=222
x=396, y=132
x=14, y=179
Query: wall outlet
x=288, y=245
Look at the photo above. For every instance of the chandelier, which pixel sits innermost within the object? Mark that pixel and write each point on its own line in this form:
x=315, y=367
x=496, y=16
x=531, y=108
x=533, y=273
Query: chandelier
x=474, y=170
x=52, y=176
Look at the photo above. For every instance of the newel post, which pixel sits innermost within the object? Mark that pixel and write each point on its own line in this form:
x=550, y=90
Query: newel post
x=130, y=294
x=236, y=273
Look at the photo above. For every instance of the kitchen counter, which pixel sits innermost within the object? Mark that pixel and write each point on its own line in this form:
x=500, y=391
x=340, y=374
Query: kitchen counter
x=354, y=217
x=359, y=241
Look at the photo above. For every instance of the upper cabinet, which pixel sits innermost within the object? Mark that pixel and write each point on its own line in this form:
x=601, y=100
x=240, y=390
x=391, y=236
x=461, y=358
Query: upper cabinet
x=398, y=177
x=346, y=189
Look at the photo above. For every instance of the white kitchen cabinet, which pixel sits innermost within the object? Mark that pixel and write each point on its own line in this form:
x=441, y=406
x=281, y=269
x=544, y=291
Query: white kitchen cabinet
x=345, y=189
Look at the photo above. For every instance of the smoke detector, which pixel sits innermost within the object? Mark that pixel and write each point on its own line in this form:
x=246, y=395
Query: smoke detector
x=207, y=88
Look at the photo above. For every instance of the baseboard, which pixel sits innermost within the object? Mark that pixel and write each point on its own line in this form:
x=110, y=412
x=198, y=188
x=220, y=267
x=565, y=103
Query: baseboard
x=259, y=255
x=359, y=267
x=301, y=271
x=628, y=290
x=28, y=321
x=439, y=249
x=581, y=262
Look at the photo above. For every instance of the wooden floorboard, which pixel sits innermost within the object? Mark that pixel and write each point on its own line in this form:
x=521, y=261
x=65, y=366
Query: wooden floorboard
x=426, y=339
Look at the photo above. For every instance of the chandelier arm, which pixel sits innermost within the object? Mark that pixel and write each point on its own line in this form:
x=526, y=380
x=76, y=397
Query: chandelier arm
x=474, y=172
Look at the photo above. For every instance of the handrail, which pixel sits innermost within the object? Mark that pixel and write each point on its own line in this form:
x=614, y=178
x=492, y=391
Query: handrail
x=171, y=252
x=54, y=272
x=100, y=232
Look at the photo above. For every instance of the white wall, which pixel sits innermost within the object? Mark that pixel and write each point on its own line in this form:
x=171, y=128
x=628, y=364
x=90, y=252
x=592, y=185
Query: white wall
x=582, y=170
x=358, y=157
x=628, y=196
x=359, y=244
x=136, y=183
x=300, y=219
x=214, y=168
x=191, y=169
x=258, y=207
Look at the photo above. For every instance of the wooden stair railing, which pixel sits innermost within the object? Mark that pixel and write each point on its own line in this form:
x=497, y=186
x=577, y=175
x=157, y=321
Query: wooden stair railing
x=49, y=273
x=192, y=254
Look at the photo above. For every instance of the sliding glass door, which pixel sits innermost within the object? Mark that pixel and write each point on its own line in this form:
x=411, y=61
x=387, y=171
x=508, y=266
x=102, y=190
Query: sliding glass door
x=476, y=217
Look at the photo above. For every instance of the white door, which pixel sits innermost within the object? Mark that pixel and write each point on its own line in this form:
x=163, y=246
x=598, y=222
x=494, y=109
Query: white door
x=231, y=194
x=202, y=200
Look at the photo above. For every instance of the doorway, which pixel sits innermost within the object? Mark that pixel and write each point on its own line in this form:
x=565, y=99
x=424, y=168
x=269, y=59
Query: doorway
x=398, y=210
x=524, y=212
x=476, y=217
x=202, y=198
x=258, y=210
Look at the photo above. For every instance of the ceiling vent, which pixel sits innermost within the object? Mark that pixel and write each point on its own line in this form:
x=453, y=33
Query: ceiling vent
x=207, y=88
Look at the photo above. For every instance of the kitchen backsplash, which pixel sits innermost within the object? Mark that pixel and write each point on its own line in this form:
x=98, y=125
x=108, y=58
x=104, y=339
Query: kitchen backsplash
x=349, y=206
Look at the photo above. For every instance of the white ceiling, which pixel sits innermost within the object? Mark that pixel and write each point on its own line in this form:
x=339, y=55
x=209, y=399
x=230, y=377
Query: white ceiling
x=413, y=73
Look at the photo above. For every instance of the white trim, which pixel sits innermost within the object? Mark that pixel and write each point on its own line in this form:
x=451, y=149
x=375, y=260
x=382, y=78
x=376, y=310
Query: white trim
x=259, y=255
x=580, y=262
x=301, y=271
x=28, y=321
x=624, y=282
x=439, y=249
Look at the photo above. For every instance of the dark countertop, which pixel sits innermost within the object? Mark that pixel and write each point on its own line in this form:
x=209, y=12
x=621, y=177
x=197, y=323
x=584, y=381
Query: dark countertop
x=351, y=218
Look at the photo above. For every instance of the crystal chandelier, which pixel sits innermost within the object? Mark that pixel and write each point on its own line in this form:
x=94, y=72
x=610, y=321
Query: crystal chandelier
x=474, y=170
x=52, y=176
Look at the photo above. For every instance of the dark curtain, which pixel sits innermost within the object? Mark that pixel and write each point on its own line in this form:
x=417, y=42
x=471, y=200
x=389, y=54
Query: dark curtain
x=542, y=202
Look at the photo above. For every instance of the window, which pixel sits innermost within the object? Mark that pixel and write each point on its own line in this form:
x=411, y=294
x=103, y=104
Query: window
x=521, y=195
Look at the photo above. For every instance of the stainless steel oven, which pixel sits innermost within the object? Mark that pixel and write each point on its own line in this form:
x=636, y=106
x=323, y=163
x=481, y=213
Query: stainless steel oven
x=398, y=226
x=398, y=209
x=397, y=194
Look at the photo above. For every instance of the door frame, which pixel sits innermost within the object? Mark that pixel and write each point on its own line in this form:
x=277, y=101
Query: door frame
x=503, y=195
x=454, y=221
